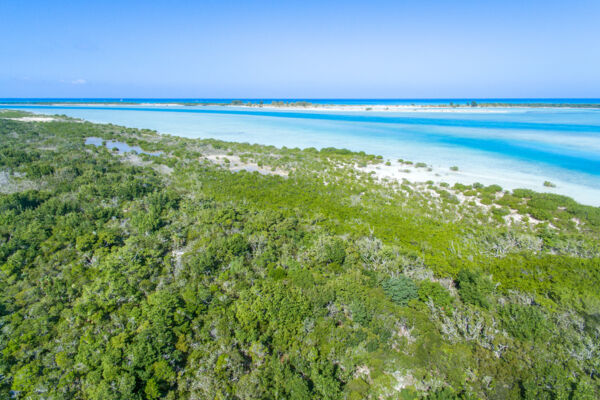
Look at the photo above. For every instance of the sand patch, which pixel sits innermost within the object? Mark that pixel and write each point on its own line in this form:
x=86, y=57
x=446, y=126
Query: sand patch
x=34, y=119
x=9, y=185
x=136, y=160
x=236, y=164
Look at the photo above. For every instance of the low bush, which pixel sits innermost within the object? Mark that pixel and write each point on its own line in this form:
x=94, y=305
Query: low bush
x=400, y=289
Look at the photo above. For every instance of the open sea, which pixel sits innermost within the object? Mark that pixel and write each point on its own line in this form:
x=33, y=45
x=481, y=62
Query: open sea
x=512, y=147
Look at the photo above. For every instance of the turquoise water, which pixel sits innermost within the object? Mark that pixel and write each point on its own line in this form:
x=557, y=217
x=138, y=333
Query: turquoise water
x=520, y=147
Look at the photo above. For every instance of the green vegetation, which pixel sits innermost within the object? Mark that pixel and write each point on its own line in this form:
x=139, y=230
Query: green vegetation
x=400, y=289
x=174, y=276
x=454, y=168
x=474, y=289
x=549, y=184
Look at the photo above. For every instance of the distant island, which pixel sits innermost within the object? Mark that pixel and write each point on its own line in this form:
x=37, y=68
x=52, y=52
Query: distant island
x=308, y=105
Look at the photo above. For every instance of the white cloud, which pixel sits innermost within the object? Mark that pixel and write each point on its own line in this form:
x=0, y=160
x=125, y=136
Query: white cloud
x=79, y=82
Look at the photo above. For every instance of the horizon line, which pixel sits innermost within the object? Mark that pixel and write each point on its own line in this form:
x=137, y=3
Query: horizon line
x=301, y=98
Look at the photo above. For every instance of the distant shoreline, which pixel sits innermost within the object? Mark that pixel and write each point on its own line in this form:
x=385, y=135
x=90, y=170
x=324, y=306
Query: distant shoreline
x=484, y=107
x=463, y=106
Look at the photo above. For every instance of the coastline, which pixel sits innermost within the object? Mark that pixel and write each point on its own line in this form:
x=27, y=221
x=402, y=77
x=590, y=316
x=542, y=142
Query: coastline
x=417, y=172
x=418, y=175
x=450, y=107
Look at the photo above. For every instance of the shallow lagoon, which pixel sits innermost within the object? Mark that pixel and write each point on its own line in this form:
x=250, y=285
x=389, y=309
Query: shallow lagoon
x=119, y=146
x=514, y=147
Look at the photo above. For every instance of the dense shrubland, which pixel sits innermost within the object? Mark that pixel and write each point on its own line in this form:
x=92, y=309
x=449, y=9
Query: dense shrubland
x=143, y=277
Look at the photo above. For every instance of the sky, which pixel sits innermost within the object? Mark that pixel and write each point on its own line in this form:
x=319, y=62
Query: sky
x=300, y=49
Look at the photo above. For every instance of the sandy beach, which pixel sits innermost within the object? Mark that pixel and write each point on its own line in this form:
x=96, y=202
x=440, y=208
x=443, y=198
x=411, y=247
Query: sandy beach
x=393, y=170
x=396, y=108
x=379, y=108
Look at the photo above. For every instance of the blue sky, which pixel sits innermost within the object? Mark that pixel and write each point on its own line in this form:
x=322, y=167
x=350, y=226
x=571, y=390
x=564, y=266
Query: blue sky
x=310, y=49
